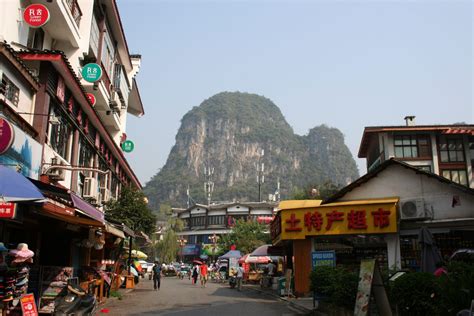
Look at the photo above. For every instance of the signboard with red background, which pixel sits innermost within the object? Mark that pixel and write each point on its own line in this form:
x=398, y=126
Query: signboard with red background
x=7, y=135
x=28, y=305
x=7, y=210
x=36, y=15
x=91, y=98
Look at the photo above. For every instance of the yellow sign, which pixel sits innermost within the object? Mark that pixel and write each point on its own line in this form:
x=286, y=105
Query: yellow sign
x=355, y=217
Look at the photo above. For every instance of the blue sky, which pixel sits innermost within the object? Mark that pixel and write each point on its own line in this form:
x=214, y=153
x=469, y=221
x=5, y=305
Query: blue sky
x=347, y=64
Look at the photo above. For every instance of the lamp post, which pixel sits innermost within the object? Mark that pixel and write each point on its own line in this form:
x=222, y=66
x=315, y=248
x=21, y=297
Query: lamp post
x=181, y=242
x=214, y=239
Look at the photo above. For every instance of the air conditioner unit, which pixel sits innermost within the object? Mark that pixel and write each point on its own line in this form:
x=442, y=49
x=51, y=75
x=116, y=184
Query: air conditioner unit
x=90, y=188
x=57, y=174
x=413, y=209
x=105, y=194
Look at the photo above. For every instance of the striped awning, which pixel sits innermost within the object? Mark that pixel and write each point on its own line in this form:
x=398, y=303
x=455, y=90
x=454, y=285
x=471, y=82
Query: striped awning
x=459, y=131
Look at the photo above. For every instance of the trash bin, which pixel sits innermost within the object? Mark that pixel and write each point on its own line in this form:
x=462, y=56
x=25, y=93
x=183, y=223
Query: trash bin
x=281, y=286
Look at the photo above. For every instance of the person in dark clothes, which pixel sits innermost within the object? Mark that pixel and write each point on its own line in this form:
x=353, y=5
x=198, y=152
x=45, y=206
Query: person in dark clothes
x=156, y=275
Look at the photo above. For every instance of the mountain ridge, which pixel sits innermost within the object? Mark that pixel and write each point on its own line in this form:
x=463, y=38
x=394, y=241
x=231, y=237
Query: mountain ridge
x=228, y=132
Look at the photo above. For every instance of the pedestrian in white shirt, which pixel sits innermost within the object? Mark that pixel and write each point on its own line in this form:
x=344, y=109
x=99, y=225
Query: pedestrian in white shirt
x=240, y=276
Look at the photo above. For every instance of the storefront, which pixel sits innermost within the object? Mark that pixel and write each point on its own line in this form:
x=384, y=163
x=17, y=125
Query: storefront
x=353, y=230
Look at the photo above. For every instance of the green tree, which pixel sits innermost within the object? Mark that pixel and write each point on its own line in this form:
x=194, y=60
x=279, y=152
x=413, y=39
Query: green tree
x=131, y=209
x=316, y=191
x=168, y=247
x=246, y=236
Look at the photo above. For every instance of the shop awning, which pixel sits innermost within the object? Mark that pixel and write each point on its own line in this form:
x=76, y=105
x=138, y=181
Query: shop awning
x=87, y=209
x=15, y=187
x=49, y=210
x=111, y=229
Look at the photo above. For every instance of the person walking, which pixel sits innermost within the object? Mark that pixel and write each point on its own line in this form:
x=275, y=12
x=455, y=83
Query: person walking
x=203, y=274
x=156, y=275
x=195, y=273
x=240, y=276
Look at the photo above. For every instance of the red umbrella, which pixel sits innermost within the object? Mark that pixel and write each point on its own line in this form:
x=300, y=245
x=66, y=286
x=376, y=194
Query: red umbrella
x=197, y=262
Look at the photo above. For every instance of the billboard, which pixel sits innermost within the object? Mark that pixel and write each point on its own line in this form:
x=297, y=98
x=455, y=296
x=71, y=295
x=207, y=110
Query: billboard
x=25, y=153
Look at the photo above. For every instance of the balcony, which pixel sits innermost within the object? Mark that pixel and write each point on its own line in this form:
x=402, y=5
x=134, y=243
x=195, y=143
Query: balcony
x=121, y=85
x=64, y=22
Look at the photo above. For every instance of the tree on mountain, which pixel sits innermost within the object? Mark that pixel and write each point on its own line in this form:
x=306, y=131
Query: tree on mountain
x=246, y=236
x=131, y=208
x=316, y=192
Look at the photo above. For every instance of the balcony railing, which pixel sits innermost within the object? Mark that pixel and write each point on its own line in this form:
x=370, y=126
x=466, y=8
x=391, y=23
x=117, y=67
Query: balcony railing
x=121, y=85
x=75, y=11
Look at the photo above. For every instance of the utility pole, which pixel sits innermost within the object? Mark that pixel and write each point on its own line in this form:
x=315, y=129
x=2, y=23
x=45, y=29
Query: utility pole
x=260, y=175
x=208, y=184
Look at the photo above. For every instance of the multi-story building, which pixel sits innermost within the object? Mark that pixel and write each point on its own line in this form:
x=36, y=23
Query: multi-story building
x=202, y=222
x=65, y=132
x=80, y=140
x=445, y=150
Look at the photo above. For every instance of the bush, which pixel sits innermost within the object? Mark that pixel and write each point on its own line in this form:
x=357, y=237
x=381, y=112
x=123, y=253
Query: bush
x=457, y=287
x=417, y=293
x=336, y=285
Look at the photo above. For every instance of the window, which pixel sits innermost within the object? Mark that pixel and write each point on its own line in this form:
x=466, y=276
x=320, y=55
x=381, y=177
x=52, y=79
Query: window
x=60, y=134
x=216, y=220
x=424, y=168
x=412, y=146
x=471, y=150
x=108, y=53
x=35, y=38
x=451, y=149
x=198, y=221
x=9, y=90
x=85, y=154
x=95, y=35
x=458, y=176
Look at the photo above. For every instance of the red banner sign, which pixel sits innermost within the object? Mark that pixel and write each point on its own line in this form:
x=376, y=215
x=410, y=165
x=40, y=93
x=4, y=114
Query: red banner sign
x=7, y=210
x=7, y=135
x=36, y=15
x=28, y=305
x=91, y=98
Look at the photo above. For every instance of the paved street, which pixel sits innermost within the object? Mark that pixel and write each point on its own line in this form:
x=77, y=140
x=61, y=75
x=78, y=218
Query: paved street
x=180, y=297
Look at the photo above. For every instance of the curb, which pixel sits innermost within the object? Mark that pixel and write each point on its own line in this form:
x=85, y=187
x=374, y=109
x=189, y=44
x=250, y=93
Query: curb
x=290, y=303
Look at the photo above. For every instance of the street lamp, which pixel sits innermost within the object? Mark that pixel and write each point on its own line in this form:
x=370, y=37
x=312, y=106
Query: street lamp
x=181, y=241
x=214, y=239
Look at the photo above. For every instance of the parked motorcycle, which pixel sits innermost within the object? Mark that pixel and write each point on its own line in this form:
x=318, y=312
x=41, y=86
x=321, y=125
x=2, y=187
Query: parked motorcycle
x=232, y=282
x=74, y=301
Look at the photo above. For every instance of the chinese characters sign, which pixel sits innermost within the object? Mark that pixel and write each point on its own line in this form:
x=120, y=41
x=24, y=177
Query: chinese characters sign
x=36, y=15
x=339, y=219
x=7, y=210
x=28, y=305
x=91, y=72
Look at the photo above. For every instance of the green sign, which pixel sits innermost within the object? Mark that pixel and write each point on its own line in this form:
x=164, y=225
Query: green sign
x=127, y=146
x=91, y=72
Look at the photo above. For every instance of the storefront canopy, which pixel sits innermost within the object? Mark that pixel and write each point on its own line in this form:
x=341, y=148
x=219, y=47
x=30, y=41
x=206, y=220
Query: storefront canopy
x=231, y=254
x=14, y=187
x=87, y=209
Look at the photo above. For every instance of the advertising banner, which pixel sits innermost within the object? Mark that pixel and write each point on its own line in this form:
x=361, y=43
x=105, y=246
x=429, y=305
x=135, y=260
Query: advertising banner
x=339, y=219
x=323, y=258
x=25, y=153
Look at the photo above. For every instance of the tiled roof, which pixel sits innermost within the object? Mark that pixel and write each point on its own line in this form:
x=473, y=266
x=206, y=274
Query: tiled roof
x=372, y=174
x=4, y=47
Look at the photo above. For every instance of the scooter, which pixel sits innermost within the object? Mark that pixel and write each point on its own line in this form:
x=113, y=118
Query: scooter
x=232, y=282
x=74, y=301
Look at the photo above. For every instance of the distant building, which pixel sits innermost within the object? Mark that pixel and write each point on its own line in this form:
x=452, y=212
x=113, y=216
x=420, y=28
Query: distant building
x=202, y=221
x=445, y=150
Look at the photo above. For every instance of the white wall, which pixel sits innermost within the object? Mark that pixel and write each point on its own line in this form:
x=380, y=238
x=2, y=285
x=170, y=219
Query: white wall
x=398, y=181
x=238, y=209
